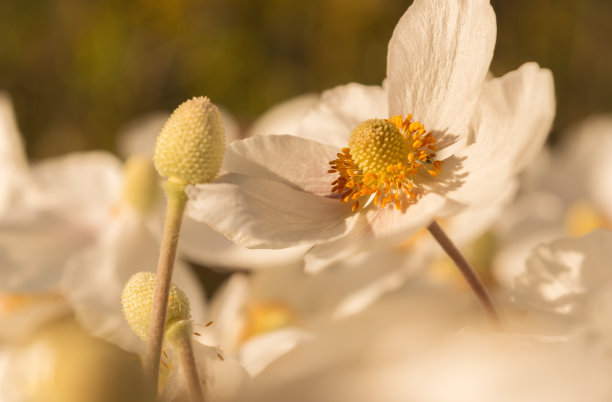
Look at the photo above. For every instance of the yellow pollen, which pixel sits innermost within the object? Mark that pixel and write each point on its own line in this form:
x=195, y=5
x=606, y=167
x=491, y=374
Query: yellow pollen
x=266, y=317
x=383, y=160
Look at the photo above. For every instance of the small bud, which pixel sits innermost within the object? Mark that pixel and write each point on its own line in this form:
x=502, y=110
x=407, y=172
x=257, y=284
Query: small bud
x=191, y=144
x=137, y=303
x=140, y=186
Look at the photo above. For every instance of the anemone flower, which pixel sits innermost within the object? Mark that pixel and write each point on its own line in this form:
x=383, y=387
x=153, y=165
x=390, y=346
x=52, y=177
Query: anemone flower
x=372, y=165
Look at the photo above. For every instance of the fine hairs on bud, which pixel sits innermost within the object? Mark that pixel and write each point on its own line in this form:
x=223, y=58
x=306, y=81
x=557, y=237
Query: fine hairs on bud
x=137, y=303
x=191, y=145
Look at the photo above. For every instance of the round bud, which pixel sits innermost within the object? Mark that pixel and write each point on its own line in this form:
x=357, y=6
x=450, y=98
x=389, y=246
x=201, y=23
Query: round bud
x=140, y=185
x=191, y=145
x=137, y=303
x=376, y=144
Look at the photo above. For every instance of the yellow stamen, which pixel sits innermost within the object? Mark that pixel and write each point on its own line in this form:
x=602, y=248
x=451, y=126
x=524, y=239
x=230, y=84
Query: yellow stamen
x=265, y=317
x=384, y=158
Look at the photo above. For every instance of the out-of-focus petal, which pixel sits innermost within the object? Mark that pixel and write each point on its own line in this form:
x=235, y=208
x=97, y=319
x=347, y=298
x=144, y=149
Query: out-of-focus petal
x=285, y=117
x=13, y=161
x=257, y=353
x=340, y=110
x=562, y=276
x=88, y=181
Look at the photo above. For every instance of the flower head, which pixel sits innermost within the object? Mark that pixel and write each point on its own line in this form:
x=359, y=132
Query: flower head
x=474, y=134
x=383, y=160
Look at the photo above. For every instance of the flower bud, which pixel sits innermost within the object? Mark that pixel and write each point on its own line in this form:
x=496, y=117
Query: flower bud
x=137, y=303
x=191, y=145
x=140, y=186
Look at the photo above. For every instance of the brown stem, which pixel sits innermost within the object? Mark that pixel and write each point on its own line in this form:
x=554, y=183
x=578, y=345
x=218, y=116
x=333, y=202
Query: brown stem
x=177, y=200
x=468, y=273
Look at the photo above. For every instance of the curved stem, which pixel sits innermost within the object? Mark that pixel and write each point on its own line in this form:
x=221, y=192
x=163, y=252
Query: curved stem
x=177, y=200
x=468, y=273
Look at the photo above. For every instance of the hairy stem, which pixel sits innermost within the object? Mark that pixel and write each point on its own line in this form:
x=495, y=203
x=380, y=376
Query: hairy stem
x=468, y=273
x=177, y=200
x=180, y=336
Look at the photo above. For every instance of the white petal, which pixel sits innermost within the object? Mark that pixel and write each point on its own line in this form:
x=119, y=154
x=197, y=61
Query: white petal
x=510, y=125
x=388, y=224
x=256, y=212
x=202, y=244
x=285, y=117
x=566, y=275
x=438, y=57
x=138, y=136
x=69, y=200
x=377, y=229
x=34, y=248
x=340, y=110
x=13, y=162
x=93, y=179
x=297, y=162
x=227, y=313
x=257, y=353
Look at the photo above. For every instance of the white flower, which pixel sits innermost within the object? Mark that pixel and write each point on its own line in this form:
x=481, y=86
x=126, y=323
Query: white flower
x=567, y=193
x=571, y=281
x=417, y=345
x=261, y=316
x=279, y=191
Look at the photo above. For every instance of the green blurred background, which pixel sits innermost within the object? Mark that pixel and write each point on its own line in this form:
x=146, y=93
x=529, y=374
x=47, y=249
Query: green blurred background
x=78, y=70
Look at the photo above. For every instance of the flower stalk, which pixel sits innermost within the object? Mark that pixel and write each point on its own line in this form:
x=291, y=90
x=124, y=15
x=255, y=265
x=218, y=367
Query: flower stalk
x=179, y=336
x=177, y=199
x=468, y=273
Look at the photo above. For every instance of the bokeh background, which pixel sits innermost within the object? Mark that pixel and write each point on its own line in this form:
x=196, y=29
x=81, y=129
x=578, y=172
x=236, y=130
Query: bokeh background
x=79, y=70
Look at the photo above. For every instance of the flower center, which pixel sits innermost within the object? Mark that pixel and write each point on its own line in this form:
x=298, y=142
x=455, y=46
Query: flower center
x=266, y=317
x=383, y=160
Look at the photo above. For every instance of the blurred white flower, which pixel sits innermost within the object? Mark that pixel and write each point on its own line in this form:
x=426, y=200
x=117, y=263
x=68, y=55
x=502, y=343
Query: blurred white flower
x=571, y=280
x=566, y=193
x=77, y=233
x=260, y=316
x=63, y=363
x=428, y=345
x=279, y=191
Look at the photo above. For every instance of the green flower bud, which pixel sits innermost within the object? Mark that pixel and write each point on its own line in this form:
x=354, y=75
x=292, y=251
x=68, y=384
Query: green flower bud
x=137, y=303
x=191, y=145
x=141, y=184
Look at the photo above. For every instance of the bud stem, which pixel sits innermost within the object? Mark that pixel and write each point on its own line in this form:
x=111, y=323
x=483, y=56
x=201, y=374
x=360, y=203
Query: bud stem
x=177, y=199
x=180, y=336
x=468, y=273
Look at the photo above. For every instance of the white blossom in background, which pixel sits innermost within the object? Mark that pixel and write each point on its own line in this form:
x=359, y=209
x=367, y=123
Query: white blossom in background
x=570, y=281
x=428, y=344
x=77, y=233
x=565, y=193
x=280, y=193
